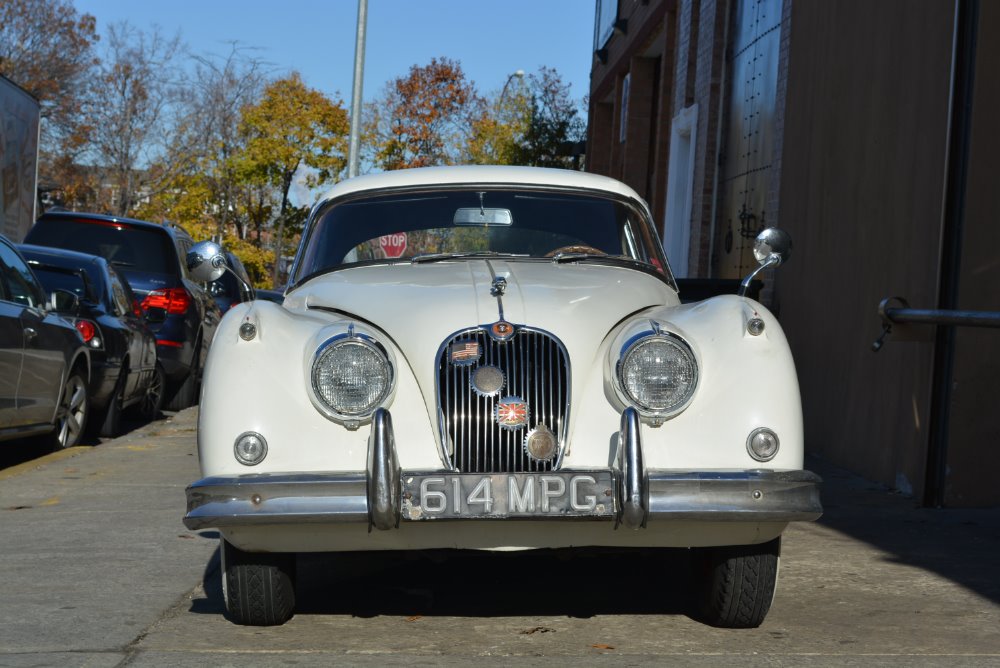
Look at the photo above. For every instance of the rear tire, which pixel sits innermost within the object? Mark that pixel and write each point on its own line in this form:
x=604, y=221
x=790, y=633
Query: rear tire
x=736, y=583
x=112, y=419
x=151, y=403
x=187, y=393
x=258, y=587
x=72, y=412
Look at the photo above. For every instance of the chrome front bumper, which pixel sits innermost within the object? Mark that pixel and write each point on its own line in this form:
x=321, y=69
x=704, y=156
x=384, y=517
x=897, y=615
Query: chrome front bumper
x=374, y=496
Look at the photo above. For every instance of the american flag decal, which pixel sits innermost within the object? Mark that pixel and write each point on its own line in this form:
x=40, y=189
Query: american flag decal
x=463, y=353
x=512, y=413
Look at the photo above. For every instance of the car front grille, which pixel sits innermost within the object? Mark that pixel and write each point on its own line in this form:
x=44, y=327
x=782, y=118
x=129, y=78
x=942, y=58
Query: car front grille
x=536, y=371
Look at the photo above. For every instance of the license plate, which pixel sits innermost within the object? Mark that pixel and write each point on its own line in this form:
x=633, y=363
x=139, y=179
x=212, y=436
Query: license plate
x=500, y=495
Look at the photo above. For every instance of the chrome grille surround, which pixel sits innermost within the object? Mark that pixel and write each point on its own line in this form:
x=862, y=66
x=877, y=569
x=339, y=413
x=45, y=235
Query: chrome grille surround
x=537, y=370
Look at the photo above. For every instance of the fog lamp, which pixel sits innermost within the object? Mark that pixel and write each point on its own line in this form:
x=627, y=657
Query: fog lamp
x=762, y=444
x=541, y=444
x=250, y=448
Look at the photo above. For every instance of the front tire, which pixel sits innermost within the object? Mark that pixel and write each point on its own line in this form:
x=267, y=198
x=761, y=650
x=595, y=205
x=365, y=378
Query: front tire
x=736, y=583
x=258, y=587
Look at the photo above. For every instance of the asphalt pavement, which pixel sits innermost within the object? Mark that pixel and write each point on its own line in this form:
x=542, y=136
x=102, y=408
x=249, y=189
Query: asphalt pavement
x=98, y=570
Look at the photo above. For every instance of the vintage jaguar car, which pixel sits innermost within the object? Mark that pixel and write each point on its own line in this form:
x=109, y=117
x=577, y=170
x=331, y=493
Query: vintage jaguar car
x=496, y=358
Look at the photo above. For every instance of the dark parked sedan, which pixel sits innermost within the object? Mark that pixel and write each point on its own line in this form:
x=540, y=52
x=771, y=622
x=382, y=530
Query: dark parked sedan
x=180, y=311
x=44, y=363
x=91, y=294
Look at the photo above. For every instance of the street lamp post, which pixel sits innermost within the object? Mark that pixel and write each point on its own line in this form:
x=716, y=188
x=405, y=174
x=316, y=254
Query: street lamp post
x=359, y=75
x=519, y=74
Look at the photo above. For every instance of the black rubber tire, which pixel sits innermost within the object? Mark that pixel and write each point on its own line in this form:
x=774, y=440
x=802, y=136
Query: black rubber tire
x=111, y=420
x=736, y=583
x=258, y=587
x=187, y=392
x=72, y=412
x=151, y=404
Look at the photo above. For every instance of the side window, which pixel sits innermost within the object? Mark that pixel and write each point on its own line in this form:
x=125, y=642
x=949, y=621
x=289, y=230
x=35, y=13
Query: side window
x=21, y=285
x=183, y=246
x=119, y=297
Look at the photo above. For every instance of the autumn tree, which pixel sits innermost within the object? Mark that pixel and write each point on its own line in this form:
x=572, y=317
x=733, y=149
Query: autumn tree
x=130, y=114
x=292, y=127
x=220, y=89
x=47, y=48
x=499, y=123
x=554, y=123
x=423, y=118
x=531, y=122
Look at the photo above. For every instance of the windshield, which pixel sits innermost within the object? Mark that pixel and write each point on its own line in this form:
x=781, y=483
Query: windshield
x=425, y=226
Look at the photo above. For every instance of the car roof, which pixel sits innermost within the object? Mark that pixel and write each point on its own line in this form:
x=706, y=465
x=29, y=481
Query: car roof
x=60, y=257
x=480, y=174
x=170, y=228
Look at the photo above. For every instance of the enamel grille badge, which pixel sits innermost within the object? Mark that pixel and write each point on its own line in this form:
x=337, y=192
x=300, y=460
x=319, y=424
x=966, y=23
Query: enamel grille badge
x=464, y=353
x=512, y=413
x=502, y=330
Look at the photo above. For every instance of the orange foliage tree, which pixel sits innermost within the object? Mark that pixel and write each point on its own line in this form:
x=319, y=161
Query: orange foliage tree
x=421, y=119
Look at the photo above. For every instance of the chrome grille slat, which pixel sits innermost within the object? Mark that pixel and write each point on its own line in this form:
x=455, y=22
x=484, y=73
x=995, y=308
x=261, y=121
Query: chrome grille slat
x=536, y=368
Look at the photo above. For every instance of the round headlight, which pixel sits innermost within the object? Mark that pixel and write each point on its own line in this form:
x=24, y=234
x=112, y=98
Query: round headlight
x=658, y=374
x=351, y=376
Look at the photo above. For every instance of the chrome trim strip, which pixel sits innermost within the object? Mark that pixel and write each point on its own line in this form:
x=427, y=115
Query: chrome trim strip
x=341, y=498
x=498, y=286
x=261, y=498
x=383, y=474
x=634, y=501
x=734, y=496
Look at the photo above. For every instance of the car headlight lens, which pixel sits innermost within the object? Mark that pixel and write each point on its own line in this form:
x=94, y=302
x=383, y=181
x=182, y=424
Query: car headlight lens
x=658, y=374
x=351, y=377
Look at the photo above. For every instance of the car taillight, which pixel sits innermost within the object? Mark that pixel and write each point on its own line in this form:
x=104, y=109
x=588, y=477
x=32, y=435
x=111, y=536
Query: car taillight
x=171, y=300
x=89, y=332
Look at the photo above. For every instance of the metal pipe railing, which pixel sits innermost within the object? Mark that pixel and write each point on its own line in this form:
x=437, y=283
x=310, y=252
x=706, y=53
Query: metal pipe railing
x=896, y=311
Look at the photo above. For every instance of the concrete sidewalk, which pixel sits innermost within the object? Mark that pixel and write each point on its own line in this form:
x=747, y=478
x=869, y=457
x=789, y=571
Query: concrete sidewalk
x=99, y=571
x=93, y=549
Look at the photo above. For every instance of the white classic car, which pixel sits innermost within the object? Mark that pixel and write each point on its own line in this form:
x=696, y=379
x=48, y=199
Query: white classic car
x=496, y=358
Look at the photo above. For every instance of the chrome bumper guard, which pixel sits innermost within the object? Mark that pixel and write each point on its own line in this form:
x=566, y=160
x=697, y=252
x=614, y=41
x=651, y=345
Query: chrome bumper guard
x=373, y=496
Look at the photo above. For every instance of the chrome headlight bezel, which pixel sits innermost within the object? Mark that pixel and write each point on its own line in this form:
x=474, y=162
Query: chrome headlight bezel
x=350, y=419
x=655, y=414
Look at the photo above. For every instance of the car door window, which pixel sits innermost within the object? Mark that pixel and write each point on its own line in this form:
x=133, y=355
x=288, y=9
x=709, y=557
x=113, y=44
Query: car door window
x=119, y=299
x=21, y=285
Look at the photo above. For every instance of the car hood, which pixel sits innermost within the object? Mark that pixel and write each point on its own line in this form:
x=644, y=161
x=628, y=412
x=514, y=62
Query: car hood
x=421, y=305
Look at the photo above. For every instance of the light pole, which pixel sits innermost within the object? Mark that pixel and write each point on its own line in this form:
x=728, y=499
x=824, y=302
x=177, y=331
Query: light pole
x=519, y=74
x=359, y=75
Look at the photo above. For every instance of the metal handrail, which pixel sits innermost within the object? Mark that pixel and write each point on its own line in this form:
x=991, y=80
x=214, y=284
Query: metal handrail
x=896, y=311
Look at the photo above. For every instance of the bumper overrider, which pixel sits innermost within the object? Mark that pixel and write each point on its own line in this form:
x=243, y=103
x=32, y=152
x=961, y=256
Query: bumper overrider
x=628, y=494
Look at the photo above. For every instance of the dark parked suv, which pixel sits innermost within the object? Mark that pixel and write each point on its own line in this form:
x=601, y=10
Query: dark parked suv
x=180, y=311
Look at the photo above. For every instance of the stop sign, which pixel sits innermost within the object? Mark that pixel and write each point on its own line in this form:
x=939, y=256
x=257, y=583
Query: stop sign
x=393, y=245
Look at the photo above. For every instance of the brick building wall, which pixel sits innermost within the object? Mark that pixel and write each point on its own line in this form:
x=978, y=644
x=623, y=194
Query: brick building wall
x=672, y=53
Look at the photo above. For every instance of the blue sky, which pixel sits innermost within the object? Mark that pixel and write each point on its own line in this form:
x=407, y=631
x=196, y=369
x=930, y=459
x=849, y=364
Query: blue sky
x=491, y=39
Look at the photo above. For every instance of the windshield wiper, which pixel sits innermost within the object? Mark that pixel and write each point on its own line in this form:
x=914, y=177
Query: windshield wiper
x=438, y=257
x=563, y=258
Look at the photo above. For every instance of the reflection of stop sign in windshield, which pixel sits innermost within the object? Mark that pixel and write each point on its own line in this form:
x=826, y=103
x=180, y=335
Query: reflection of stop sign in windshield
x=393, y=245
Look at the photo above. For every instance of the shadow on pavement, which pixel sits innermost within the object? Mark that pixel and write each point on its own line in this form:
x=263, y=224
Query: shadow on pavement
x=468, y=583
x=962, y=545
